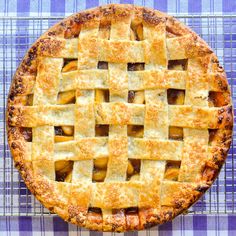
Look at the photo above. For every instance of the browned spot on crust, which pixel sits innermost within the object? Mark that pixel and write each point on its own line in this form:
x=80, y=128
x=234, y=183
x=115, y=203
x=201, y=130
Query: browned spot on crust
x=218, y=99
x=107, y=10
x=72, y=29
x=31, y=55
x=49, y=46
x=174, y=28
x=221, y=83
x=85, y=17
x=209, y=174
x=151, y=18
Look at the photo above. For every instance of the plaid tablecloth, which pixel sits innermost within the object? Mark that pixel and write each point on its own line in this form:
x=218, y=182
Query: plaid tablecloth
x=218, y=224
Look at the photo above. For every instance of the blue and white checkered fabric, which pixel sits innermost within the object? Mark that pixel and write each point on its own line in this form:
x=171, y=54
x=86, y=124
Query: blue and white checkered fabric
x=17, y=34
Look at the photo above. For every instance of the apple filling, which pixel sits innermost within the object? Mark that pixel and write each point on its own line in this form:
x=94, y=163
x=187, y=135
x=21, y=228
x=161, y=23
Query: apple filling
x=172, y=170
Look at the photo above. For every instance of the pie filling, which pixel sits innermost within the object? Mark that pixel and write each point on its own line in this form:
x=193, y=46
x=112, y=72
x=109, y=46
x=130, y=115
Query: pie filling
x=172, y=170
x=175, y=96
x=178, y=64
x=136, y=31
x=69, y=65
x=63, y=171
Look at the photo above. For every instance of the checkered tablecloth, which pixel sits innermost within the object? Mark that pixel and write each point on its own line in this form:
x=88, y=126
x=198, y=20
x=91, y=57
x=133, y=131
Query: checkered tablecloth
x=222, y=38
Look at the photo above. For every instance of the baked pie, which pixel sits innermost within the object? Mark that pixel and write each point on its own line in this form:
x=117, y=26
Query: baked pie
x=119, y=118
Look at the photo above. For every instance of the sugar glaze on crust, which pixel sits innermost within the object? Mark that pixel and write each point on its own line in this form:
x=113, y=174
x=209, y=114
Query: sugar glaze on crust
x=208, y=129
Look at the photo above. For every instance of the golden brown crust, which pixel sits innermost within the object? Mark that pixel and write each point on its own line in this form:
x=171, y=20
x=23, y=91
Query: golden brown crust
x=70, y=201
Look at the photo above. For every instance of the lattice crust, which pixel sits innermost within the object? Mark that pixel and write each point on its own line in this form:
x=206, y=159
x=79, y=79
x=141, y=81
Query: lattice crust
x=119, y=118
